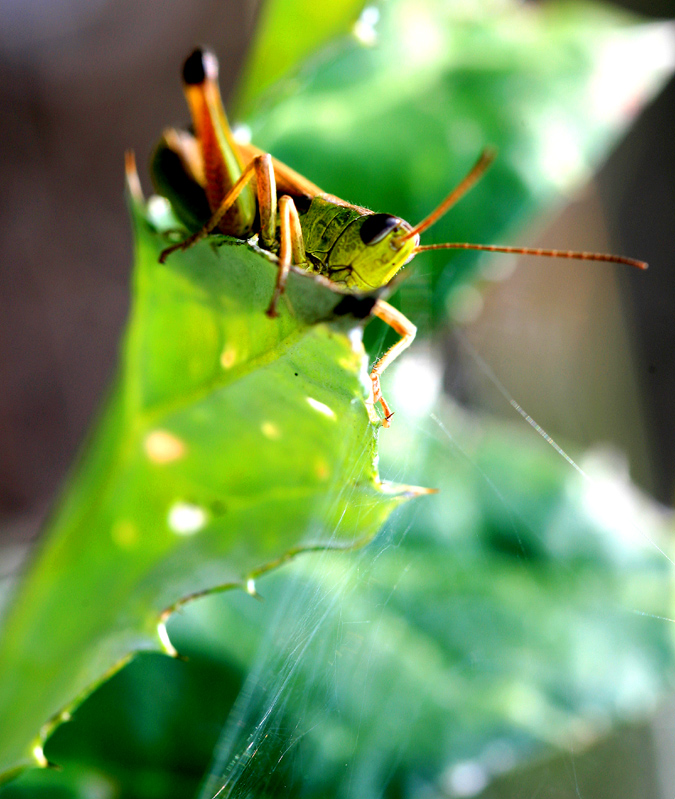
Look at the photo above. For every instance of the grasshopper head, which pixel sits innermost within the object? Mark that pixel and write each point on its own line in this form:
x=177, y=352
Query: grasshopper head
x=380, y=247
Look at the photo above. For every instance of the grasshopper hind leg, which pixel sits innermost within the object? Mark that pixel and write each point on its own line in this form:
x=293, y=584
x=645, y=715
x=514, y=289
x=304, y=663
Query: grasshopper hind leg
x=259, y=169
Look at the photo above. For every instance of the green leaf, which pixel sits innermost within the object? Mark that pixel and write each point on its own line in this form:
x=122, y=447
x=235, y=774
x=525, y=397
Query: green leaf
x=230, y=443
x=394, y=127
x=278, y=49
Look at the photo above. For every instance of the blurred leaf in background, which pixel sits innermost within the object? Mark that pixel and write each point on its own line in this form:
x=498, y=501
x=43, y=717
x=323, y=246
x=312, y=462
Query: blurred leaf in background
x=287, y=35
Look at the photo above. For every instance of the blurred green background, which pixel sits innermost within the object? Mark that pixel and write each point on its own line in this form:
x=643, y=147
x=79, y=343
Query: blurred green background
x=527, y=637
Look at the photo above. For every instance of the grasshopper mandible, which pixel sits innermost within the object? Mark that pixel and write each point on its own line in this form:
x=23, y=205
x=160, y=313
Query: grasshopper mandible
x=210, y=181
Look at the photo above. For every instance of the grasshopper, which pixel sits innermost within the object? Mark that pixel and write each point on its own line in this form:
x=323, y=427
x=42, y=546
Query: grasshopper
x=217, y=184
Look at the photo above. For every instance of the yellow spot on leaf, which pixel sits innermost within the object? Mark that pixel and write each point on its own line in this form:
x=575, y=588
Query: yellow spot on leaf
x=351, y=364
x=270, y=430
x=163, y=447
x=125, y=534
x=322, y=469
x=228, y=357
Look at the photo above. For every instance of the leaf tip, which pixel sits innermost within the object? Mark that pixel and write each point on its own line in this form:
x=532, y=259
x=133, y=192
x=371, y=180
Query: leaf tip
x=167, y=647
x=251, y=590
x=405, y=491
x=38, y=754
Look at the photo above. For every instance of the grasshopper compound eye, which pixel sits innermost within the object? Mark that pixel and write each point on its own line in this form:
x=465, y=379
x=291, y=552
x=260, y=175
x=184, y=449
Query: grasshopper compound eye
x=377, y=226
x=199, y=66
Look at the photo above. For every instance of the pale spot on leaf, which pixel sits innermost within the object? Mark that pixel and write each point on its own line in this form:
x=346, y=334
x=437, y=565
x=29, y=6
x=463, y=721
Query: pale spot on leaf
x=271, y=430
x=124, y=533
x=465, y=304
x=351, y=364
x=228, y=357
x=158, y=206
x=321, y=407
x=163, y=447
x=241, y=133
x=466, y=778
x=322, y=469
x=356, y=340
x=186, y=519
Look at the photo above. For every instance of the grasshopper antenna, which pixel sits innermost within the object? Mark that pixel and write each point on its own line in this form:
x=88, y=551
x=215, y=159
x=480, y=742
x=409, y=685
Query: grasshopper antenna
x=573, y=254
x=477, y=170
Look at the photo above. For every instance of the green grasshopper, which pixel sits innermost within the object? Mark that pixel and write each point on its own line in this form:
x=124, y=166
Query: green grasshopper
x=209, y=179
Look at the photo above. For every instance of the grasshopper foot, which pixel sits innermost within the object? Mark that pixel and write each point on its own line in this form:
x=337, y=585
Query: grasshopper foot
x=183, y=245
x=167, y=252
x=377, y=397
x=278, y=291
x=272, y=309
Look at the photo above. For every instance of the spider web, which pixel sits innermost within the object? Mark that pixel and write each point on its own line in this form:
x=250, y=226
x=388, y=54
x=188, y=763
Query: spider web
x=400, y=670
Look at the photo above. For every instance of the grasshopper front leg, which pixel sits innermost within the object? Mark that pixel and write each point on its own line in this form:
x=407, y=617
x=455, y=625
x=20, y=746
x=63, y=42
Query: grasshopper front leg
x=407, y=330
x=262, y=170
x=291, y=249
